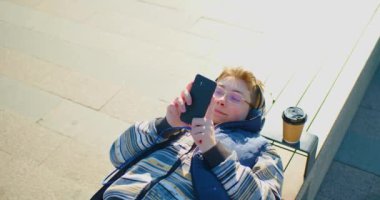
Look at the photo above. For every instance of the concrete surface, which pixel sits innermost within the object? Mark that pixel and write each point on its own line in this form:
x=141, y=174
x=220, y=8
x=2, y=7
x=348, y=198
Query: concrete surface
x=355, y=171
x=74, y=74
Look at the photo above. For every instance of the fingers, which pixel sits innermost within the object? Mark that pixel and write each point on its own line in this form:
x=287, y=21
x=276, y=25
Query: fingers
x=202, y=131
x=186, y=96
x=198, y=130
x=179, y=104
x=172, y=109
x=189, y=85
x=201, y=126
x=201, y=122
x=184, y=99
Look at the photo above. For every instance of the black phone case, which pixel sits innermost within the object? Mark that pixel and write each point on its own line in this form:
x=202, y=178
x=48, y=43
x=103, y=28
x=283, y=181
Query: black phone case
x=201, y=93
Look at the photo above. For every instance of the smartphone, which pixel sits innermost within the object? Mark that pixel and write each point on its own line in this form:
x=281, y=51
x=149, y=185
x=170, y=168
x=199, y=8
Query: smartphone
x=201, y=93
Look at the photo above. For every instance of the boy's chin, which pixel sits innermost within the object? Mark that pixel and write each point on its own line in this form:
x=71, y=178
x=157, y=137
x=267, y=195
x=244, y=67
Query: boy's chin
x=218, y=120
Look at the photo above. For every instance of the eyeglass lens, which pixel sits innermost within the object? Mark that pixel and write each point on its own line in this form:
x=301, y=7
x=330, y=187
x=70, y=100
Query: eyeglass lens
x=233, y=97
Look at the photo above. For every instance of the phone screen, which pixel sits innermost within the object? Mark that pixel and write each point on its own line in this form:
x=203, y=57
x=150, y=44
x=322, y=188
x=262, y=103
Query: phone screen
x=201, y=93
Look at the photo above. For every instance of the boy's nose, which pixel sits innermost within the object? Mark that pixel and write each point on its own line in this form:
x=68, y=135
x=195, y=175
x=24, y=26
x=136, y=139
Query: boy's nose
x=221, y=100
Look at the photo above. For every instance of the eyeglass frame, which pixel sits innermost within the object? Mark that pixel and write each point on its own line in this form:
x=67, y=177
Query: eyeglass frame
x=225, y=94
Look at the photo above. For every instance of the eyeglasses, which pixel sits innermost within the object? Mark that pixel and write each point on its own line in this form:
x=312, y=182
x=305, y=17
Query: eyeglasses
x=233, y=97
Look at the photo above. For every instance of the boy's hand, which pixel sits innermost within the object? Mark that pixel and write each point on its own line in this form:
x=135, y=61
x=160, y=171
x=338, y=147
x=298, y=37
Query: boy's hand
x=203, y=132
x=178, y=106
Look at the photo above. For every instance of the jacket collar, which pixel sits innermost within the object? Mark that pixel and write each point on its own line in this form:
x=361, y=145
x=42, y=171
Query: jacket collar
x=254, y=122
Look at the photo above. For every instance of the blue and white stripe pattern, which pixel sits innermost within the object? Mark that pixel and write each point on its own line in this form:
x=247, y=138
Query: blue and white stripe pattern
x=240, y=182
x=261, y=182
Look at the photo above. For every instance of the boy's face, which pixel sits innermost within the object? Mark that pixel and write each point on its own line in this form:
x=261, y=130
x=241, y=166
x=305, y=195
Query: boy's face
x=225, y=106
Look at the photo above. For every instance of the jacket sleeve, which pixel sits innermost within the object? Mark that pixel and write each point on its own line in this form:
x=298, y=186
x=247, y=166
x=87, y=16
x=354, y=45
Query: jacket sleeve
x=136, y=139
x=263, y=181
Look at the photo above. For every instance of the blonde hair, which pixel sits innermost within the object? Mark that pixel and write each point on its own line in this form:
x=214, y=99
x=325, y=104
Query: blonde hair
x=255, y=86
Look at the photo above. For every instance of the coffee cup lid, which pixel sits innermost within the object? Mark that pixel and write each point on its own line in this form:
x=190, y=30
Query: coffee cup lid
x=294, y=115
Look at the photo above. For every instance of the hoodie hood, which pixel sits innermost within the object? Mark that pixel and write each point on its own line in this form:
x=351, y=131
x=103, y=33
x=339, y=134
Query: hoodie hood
x=243, y=136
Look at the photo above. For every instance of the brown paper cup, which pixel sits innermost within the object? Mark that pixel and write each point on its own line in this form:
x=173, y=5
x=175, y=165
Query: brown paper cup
x=294, y=119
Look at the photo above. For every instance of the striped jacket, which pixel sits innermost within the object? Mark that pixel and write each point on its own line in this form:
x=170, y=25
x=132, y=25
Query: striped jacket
x=165, y=174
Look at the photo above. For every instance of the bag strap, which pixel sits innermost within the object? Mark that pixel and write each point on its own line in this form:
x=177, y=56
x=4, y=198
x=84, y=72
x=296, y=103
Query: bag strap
x=99, y=194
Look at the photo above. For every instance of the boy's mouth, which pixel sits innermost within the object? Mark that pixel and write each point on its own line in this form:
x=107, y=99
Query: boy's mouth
x=220, y=112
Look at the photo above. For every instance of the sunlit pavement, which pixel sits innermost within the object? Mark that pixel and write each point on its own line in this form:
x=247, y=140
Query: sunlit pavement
x=74, y=74
x=355, y=172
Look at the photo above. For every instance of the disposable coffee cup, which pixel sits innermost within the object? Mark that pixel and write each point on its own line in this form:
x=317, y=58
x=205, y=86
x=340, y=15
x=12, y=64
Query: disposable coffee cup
x=294, y=119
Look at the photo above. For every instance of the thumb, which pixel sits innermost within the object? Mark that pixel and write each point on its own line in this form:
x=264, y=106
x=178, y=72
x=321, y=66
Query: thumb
x=189, y=85
x=210, y=113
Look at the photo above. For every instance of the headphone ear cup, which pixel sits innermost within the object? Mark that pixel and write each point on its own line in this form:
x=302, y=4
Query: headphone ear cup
x=260, y=97
x=253, y=113
x=262, y=122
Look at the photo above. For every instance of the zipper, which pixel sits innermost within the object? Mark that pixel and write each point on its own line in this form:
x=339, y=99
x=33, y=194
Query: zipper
x=172, y=169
